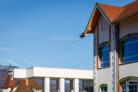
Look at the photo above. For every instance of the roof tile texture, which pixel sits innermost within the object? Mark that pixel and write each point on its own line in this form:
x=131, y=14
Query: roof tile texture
x=9, y=82
x=22, y=87
x=115, y=13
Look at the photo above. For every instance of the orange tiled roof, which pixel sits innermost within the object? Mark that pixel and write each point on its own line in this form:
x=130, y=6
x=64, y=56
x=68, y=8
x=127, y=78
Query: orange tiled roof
x=9, y=82
x=115, y=13
x=22, y=87
x=111, y=13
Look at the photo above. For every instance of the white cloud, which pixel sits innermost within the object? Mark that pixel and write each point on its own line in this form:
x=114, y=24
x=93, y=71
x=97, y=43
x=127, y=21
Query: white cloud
x=59, y=38
x=27, y=61
x=4, y=49
x=14, y=63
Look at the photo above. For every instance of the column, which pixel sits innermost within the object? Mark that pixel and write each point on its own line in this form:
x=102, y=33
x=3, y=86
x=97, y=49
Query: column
x=46, y=85
x=76, y=85
x=61, y=85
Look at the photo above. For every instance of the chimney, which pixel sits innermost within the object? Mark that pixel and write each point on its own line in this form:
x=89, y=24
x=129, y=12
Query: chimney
x=26, y=82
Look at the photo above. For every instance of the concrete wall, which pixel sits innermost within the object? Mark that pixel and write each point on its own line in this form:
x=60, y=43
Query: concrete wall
x=41, y=72
x=30, y=72
x=20, y=73
x=65, y=73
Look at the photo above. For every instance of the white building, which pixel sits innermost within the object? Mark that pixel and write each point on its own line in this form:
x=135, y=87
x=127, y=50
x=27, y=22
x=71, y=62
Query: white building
x=115, y=32
x=58, y=74
x=23, y=85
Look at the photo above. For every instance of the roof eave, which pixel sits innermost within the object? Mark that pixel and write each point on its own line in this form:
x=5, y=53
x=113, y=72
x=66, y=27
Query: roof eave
x=85, y=32
x=103, y=13
x=90, y=29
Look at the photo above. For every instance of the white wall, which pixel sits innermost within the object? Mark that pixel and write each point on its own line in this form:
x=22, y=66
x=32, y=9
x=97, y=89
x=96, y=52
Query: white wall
x=103, y=34
x=30, y=72
x=106, y=75
x=102, y=76
x=63, y=73
x=19, y=73
x=128, y=70
x=128, y=26
x=6, y=90
x=41, y=72
x=35, y=90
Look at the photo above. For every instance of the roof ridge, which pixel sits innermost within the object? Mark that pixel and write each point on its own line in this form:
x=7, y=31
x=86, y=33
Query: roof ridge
x=109, y=5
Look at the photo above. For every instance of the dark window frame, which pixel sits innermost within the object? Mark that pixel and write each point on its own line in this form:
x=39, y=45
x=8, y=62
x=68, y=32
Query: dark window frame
x=122, y=40
x=99, y=50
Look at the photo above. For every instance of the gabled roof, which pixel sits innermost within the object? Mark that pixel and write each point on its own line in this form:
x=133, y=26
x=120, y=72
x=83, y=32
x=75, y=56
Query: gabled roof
x=111, y=14
x=111, y=11
x=117, y=13
x=22, y=87
x=9, y=82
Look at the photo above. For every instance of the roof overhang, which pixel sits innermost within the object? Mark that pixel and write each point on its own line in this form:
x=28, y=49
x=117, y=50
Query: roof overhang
x=94, y=19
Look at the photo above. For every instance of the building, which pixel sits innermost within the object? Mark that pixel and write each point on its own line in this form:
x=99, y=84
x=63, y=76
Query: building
x=115, y=32
x=26, y=85
x=60, y=75
x=9, y=83
x=23, y=85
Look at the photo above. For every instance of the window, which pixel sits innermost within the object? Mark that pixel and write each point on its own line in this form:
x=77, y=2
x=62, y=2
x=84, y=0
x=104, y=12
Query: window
x=104, y=56
x=130, y=86
x=103, y=88
x=129, y=50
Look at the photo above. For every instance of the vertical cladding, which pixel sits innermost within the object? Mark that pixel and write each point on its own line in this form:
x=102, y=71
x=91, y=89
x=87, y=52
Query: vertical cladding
x=114, y=58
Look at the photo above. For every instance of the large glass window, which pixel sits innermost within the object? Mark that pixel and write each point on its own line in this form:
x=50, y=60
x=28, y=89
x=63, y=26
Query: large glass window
x=130, y=86
x=104, y=56
x=129, y=50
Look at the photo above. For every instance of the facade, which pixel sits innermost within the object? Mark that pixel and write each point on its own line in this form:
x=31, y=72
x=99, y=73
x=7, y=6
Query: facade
x=60, y=75
x=115, y=32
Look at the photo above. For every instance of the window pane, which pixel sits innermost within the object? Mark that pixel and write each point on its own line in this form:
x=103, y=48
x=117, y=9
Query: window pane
x=131, y=87
x=104, y=89
x=104, y=56
x=129, y=50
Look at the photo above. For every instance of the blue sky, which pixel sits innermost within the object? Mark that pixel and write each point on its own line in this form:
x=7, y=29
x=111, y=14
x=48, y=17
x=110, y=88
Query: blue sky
x=41, y=32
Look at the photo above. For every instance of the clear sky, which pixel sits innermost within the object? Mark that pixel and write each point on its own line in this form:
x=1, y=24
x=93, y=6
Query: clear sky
x=41, y=32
